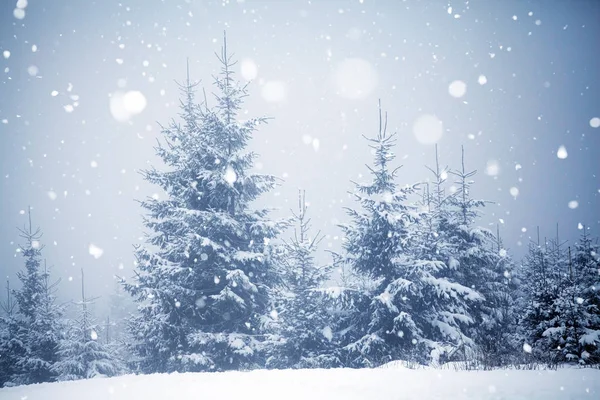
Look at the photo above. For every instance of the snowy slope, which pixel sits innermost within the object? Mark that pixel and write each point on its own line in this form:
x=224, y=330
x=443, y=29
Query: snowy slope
x=346, y=384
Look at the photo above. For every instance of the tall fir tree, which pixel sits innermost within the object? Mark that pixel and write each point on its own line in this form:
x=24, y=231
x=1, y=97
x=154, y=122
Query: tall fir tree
x=481, y=263
x=445, y=302
x=304, y=323
x=204, y=278
x=40, y=327
x=82, y=353
x=414, y=310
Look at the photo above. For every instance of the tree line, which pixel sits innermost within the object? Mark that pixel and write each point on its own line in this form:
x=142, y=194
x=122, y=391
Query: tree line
x=218, y=287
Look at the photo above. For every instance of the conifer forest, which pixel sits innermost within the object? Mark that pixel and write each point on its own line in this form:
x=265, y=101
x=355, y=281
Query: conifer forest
x=250, y=186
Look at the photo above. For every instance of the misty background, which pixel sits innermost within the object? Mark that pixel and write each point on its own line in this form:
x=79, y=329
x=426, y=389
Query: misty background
x=530, y=69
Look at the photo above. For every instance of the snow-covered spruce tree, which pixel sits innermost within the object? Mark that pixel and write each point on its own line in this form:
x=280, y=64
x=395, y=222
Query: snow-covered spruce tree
x=204, y=278
x=575, y=330
x=11, y=347
x=542, y=275
x=82, y=353
x=480, y=262
x=446, y=301
x=304, y=324
x=39, y=318
x=585, y=266
x=413, y=311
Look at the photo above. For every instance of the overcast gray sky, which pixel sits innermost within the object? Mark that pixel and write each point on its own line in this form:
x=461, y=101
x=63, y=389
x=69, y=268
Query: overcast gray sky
x=512, y=81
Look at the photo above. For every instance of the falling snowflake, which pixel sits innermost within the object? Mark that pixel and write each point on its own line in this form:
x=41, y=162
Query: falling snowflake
x=249, y=69
x=428, y=129
x=355, y=78
x=457, y=89
x=230, y=176
x=95, y=251
x=327, y=333
x=562, y=152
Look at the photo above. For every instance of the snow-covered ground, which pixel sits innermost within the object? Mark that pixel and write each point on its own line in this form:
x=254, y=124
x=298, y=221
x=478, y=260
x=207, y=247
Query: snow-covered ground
x=347, y=384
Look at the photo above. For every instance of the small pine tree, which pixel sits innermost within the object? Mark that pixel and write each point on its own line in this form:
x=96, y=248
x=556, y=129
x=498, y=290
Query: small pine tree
x=40, y=327
x=11, y=347
x=82, y=353
x=304, y=324
x=542, y=275
x=204, y=281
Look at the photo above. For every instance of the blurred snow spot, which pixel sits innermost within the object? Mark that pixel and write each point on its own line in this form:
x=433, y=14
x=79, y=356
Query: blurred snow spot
x=32, y=70
x=68, y=108
x=307, y=139
x=124, y=105
x=54, y=93
x=52, y=195
x=274, y=314
x=21, y=4
x=354, y=34
x=492, y=168
x=502, y=253
x=200, y=302
x=526, y=348
x=355, y=78
x=274, y=91
x=316, y=144
x=327, y=333
x=33, y=48
x=19, y=13
x=95, y=251
x=562, y=152
x=579, y=226
x=6, y=53
x=457, y=89
x=514, y=192
x=249, y=69
x=579, y=300
x=573, y=204
x=35, y=244
x=93, y=164
x=134, y=102
x=523, y=229
x=230, y=176
x=518, y=167
x=94, y=335
x=595, y=122
x=482, y=79
x=428, y=129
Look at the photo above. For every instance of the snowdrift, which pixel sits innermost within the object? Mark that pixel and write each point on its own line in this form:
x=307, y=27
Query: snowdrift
x=346, y=384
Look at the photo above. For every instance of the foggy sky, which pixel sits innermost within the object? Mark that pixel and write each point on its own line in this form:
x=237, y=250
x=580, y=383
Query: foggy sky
x=75, y=164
